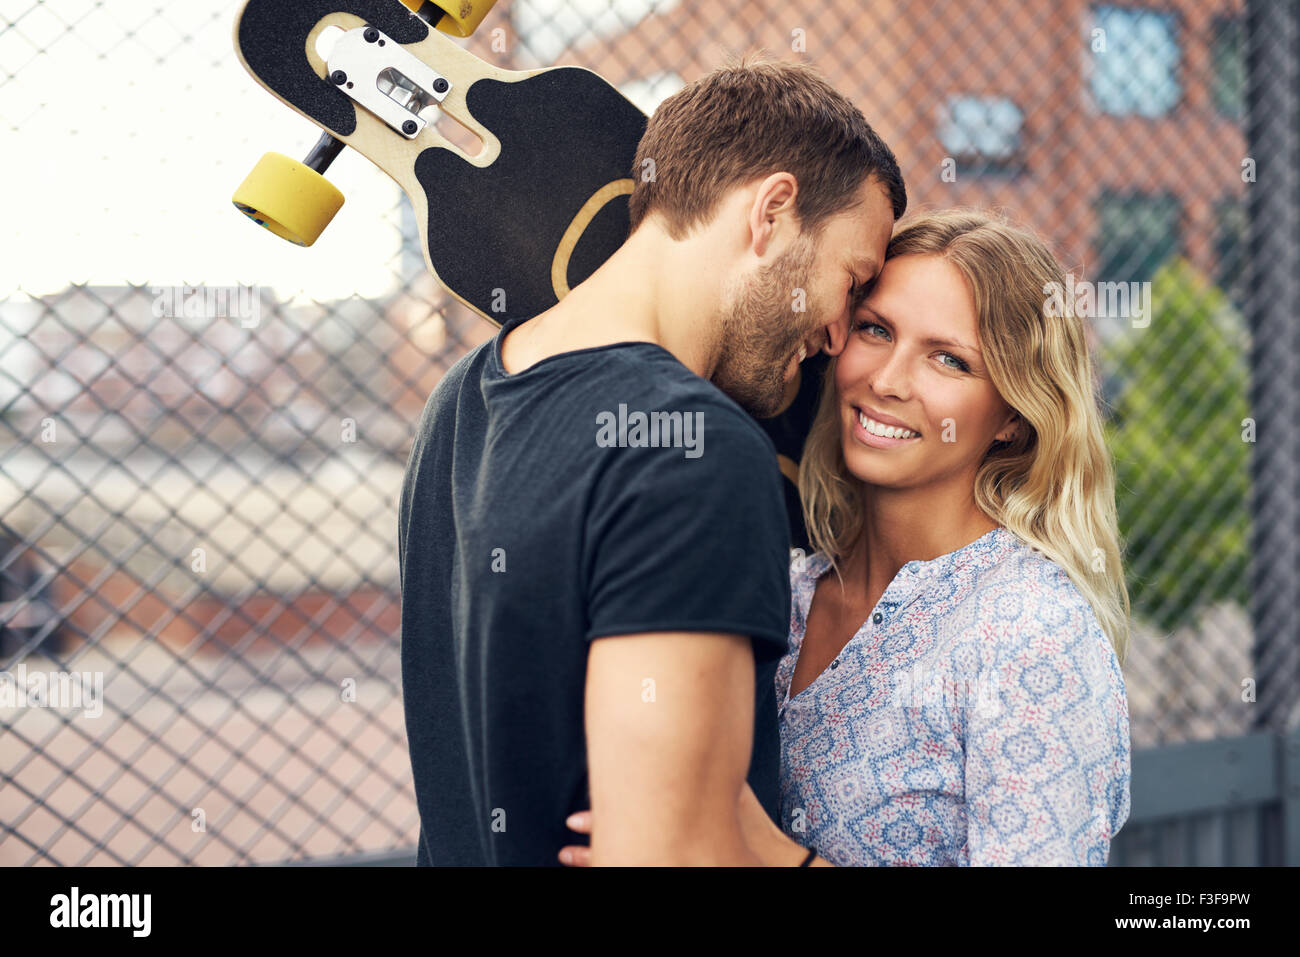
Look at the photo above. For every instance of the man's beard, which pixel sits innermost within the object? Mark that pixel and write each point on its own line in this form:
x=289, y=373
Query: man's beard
x=760, y=331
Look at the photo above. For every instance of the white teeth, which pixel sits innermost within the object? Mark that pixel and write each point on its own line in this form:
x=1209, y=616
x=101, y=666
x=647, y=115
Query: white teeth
x=884, y=431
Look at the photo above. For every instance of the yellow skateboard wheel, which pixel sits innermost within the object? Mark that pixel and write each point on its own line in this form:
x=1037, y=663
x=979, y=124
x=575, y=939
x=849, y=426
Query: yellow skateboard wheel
x=459, y=18
x=290, y=199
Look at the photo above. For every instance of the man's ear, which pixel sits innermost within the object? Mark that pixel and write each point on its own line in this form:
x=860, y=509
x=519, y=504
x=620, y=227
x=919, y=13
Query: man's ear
x=772, y=214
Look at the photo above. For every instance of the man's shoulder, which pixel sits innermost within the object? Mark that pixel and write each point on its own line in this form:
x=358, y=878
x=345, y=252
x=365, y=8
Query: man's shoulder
x=721, y=446
x=471, y=363
x=655, y=381
x=633, y=382
x=446, y=394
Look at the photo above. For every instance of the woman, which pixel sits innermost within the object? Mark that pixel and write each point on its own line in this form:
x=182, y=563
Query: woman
x=953, y=694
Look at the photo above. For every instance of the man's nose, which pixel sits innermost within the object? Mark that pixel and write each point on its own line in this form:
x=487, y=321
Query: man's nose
x=836, y=336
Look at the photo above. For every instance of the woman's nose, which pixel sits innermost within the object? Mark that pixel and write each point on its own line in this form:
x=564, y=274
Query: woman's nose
x=890, y=377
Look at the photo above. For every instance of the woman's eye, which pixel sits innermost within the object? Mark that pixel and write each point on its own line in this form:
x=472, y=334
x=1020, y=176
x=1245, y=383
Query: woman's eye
x=865, y=325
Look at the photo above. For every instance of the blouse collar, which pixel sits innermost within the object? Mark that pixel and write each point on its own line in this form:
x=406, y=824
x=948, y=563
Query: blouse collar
x=986, y=550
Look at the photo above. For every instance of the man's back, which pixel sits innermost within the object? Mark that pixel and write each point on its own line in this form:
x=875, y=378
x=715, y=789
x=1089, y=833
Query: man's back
x=600, y=492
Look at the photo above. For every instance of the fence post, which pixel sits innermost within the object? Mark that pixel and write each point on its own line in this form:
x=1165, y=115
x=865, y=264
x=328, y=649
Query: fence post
x=1288, y=781
x=1273, y=203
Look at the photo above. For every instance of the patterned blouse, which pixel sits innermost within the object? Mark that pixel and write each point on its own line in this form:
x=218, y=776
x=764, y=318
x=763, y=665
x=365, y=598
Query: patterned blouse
x=977, y=717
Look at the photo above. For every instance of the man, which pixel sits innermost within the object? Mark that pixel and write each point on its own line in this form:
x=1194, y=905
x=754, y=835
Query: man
x=593, y=541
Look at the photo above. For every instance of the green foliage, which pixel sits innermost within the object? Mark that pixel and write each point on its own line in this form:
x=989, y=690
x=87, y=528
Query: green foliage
x=1182, y=466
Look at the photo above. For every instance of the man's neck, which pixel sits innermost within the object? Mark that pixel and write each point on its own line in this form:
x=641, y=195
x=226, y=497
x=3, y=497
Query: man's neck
x=643, y=293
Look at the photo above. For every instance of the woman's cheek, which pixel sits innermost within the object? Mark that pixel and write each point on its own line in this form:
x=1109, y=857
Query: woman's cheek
x=852, y=365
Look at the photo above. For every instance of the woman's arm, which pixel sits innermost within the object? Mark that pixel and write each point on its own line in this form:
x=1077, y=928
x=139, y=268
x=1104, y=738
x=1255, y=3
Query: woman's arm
x=1047, y=747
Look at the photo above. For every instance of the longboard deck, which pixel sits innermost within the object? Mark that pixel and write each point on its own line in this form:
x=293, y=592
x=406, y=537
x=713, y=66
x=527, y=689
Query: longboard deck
x=498, y=229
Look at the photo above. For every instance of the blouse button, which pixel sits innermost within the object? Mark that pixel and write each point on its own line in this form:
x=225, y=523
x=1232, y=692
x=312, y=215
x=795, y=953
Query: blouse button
x=877, y=617
x=835, y=664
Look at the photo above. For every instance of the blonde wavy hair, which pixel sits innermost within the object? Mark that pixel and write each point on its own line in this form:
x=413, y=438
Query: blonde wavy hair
x=1053, y=485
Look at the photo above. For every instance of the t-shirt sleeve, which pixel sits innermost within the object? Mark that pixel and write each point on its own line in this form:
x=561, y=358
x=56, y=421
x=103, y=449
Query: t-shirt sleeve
x=682, y=543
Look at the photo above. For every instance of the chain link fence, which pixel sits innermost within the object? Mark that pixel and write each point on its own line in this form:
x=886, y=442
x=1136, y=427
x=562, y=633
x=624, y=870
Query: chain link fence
x=202, y=434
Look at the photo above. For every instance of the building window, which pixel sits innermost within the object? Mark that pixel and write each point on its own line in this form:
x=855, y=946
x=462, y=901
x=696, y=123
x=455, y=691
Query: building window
x=1228, y=54
x=1137, y=234
x=1135, y=61
x=982, y=133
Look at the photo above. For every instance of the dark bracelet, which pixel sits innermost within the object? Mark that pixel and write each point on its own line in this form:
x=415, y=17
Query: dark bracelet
x=812, y=852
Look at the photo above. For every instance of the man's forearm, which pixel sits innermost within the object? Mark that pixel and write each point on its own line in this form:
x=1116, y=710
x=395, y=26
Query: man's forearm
x=723, y=848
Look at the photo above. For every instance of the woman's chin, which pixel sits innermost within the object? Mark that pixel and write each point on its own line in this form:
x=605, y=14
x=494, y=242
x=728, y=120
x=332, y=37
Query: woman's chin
x=873, y=473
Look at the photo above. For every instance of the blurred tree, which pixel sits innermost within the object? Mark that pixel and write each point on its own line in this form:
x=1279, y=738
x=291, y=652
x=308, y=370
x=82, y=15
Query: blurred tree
x=1182, y=465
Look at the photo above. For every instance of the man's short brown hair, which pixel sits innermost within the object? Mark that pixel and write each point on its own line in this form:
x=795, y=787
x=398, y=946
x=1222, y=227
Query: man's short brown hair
x=754, y=116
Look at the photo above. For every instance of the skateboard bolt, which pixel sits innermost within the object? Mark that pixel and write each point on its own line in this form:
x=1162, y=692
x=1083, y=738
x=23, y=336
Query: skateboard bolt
x=338, y=77
x=440, y=85
x=371, y=34
x=408, y=127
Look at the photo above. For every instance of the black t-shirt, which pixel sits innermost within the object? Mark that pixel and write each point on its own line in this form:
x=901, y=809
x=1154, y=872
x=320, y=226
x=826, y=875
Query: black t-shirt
x=536, y=515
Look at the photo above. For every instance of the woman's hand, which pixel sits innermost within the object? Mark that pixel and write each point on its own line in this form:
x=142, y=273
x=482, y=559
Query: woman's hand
x=757, y=830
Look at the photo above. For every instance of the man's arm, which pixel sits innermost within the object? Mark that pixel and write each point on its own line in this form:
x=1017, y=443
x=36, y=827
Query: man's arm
x=670, y=723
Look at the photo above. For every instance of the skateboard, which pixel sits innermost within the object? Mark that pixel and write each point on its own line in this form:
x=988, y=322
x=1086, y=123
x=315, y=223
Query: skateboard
x=507, y=231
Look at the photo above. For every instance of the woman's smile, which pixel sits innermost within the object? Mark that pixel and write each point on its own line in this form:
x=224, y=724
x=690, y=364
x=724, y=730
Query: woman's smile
x=877, y=435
